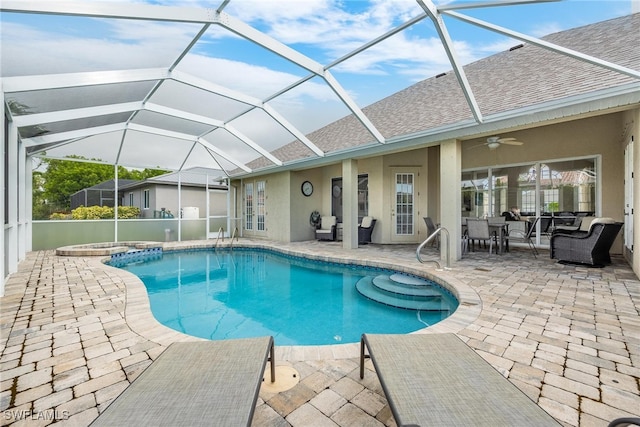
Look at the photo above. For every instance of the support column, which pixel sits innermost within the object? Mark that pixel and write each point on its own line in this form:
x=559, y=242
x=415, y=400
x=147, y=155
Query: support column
x=28, y=200
x=22, y=220
x=349, y=204
x=179, y=206
x=12, y=248
x=115, y=202
x=450, y=200
x=5, y=161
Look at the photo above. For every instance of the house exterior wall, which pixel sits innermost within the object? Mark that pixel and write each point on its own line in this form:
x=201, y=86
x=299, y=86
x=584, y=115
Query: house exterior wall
x=593, y=136
x=166, y=196
x=438, y=191
x=302, y=206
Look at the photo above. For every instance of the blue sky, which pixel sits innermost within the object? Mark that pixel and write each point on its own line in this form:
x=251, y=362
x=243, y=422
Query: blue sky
x=322, y=30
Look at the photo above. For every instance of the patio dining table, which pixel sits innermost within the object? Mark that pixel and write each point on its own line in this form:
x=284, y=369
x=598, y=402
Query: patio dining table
x=501, y=229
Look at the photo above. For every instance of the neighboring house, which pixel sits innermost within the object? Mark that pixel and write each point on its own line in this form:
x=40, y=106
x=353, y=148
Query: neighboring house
x=162, y=197
x=578, y=121
x=99, y=195
x=158, y=197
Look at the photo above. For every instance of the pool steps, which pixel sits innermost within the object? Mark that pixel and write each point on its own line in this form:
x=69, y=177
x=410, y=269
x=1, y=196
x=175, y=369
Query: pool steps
x=402, y=291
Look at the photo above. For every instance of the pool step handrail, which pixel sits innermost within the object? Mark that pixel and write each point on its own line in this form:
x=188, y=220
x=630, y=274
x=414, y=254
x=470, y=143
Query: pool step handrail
x=220, y=233
x=433, y=235
x=235, y=234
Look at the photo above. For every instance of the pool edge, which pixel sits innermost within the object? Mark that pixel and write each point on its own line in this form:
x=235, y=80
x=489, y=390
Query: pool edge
x=140, y=319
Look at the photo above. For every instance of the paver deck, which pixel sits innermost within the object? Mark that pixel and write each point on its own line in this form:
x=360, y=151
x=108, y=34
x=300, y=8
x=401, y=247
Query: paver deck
x=74, y=333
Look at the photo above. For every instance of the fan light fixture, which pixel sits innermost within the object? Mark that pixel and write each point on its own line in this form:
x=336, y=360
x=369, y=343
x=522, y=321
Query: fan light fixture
x=493, y=142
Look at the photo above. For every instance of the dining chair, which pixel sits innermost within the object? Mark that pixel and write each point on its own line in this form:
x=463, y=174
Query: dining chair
x=478, y=229
x=525, y=237
x=431, y=228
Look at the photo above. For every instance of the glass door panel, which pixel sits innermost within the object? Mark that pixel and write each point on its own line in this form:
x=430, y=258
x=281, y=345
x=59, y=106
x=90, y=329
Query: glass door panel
x=404, y=204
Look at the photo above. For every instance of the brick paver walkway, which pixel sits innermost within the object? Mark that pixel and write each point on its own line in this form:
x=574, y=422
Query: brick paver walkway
x=75, y=333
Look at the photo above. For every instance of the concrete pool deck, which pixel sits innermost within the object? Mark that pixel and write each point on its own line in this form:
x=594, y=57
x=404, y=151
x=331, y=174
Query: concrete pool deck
x=75, y=333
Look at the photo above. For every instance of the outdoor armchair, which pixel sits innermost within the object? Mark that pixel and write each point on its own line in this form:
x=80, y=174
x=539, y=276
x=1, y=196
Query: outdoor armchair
x=327, y=230
x=365, y=229
x=591, y=247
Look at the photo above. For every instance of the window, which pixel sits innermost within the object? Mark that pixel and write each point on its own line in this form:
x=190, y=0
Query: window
x=248, y=206
x=130, y=199
x=146, y=199
x=260, y=207
x=363, y=197
x=475, y=187
x=564, y=186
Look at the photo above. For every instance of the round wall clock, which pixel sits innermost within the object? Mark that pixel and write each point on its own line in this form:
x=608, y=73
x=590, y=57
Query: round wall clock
x=307, y=188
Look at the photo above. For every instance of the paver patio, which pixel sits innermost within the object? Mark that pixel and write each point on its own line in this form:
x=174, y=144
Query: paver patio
x=75, y=333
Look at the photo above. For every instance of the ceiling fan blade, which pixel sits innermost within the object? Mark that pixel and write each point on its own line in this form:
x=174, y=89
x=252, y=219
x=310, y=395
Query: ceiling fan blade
x=510, y=141
x=476, y=146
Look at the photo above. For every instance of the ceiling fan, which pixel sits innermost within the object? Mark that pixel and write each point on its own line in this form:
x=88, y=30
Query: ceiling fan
x=494, y=142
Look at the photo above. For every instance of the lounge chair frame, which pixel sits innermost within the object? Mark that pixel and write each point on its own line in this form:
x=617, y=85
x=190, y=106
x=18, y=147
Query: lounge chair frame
x=436, y=379
x=196, y=384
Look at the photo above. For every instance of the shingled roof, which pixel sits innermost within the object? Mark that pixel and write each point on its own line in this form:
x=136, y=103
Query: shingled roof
x=525, y=78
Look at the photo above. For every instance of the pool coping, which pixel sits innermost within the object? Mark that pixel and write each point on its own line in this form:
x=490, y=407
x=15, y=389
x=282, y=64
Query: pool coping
x=105, y=248
x=141, y=320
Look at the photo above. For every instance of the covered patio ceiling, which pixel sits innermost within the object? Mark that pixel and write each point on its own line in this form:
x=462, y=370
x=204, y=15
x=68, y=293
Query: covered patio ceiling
x=181, y=105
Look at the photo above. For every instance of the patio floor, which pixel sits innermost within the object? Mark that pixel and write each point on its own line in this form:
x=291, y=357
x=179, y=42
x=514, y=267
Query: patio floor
x=75, y=333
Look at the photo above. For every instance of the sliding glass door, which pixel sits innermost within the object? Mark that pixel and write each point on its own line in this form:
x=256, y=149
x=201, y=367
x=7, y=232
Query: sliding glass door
x=558, y=191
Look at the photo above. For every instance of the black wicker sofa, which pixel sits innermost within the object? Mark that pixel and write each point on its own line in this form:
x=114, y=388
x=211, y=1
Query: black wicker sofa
x=586, y=247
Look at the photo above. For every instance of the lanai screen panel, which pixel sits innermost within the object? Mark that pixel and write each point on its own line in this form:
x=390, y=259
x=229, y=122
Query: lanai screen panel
x=102, y=148
x=71, y=44
x=231, y=65
x=67, y=98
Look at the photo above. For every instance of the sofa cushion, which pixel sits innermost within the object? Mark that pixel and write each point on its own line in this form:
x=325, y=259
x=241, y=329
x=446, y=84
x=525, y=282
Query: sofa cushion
x=366, y=222
x=327, y=222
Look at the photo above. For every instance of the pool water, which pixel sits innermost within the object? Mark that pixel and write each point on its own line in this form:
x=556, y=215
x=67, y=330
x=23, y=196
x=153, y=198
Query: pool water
x=254, y=292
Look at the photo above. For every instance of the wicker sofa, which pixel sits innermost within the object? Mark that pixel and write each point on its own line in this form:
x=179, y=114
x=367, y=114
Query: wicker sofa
x=586, y=247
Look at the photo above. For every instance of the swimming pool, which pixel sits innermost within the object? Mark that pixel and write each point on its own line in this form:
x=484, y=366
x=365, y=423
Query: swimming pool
x=251, y=292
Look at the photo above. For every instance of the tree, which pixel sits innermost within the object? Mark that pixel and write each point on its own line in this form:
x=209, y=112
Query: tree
x=41, y=209
x=62, y=178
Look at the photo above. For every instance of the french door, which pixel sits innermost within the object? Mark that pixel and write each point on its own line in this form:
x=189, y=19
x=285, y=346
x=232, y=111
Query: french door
x=404, y=208
x=628, y=196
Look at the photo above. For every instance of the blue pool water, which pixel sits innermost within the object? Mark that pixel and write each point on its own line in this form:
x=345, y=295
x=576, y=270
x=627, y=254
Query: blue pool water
x=249, y=292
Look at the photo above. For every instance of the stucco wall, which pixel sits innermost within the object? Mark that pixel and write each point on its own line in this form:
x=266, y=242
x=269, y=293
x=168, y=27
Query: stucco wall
x=302, y=206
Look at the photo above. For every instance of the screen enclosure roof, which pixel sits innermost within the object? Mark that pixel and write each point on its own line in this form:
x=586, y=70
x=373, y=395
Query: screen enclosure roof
x=182, y=87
